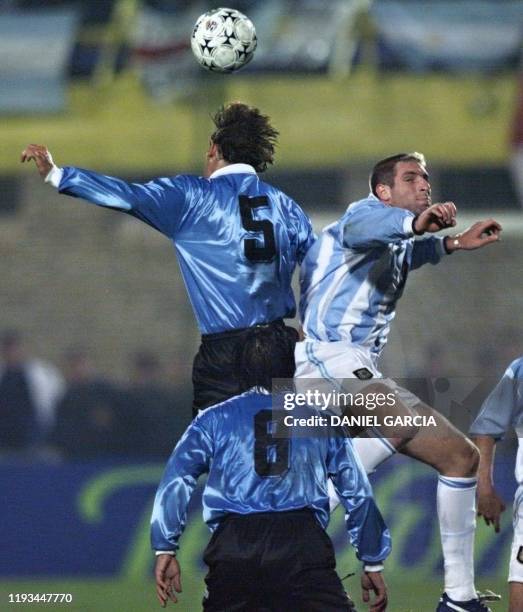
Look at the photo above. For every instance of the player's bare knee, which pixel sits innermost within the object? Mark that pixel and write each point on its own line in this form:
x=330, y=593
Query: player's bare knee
x=473, y=458
x=409, y=430
x=463, y=461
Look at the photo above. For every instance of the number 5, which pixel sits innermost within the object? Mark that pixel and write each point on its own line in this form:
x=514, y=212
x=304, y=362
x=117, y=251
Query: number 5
x=253, y=252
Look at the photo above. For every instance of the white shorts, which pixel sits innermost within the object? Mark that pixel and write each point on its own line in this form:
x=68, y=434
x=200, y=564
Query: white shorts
x=515, y=573
x=331, y=362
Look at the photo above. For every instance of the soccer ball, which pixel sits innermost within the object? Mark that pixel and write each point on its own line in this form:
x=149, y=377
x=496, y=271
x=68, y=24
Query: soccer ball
x=223, y=40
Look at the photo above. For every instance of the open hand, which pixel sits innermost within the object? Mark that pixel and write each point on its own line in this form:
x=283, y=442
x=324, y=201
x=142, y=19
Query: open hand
x=479, y=235
x=41, y=156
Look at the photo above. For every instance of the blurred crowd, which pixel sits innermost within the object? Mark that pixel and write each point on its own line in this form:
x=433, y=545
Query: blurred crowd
x=76, y=412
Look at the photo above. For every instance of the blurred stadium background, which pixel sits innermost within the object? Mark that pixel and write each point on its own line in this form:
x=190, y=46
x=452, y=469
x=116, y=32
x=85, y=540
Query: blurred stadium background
x=111, y=85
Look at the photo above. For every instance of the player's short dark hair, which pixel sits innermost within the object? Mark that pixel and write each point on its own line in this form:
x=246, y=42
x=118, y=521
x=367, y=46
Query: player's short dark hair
x=384, y=171
x=244, y=135
x=266, y=353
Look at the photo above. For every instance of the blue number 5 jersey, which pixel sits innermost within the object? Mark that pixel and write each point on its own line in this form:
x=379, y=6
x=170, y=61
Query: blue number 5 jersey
x=238, y=239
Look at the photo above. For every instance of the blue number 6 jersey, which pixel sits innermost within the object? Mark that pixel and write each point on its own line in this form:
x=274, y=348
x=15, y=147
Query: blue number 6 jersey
x=252, y=468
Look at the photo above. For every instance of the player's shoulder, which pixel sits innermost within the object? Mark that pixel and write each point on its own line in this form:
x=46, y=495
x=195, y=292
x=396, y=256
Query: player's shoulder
x=183, y=183
x=238, y=182
x=336, y=228
x=252, y=398
x=201, y=188
x=276, y=192
x=188, y=179
x=515, y=369
x=270, y=188
x=368, y=203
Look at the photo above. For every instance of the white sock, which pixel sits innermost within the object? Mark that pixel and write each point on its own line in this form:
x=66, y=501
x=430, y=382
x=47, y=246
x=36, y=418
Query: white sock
x=372, y=452
x=457, y=524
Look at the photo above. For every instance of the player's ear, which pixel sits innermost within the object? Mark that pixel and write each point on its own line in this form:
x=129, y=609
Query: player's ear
x=214, y=151
x=384, y=192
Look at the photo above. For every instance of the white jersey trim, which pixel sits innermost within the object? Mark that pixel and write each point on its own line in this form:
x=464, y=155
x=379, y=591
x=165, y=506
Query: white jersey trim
x=233, y=169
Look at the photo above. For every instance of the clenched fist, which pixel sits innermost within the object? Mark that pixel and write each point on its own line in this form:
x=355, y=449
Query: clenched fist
x=435, y=218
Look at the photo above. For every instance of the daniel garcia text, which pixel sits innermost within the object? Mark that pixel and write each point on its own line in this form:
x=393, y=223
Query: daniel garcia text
x=361, y=420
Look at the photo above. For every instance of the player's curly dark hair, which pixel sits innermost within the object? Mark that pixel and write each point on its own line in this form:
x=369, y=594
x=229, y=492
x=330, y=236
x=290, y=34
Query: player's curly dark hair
x=244, y=135
x=384, y=171
x=266, y=353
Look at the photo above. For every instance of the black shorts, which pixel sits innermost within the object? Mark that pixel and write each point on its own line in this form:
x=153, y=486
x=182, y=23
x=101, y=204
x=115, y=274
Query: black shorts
x=214, y=373
x=272, y=562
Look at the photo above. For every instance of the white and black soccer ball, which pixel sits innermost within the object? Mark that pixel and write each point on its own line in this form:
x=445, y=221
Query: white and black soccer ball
x=223, y=40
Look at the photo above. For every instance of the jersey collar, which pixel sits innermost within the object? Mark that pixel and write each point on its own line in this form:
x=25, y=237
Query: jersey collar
x=233, y=169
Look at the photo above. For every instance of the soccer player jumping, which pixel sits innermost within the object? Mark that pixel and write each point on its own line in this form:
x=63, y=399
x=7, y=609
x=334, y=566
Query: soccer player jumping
x=237, y=238
x=351, y=280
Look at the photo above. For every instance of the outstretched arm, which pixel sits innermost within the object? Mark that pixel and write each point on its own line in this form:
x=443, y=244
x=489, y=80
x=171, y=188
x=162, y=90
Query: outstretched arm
x=476, y=236
x=161, y=203
x=431, y=249
x=41, y=156
x=372, y=223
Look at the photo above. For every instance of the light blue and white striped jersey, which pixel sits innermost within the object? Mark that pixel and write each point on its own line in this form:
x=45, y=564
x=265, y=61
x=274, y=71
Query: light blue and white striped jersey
x=353, y=275
x=237, y=239
x=503, y=410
